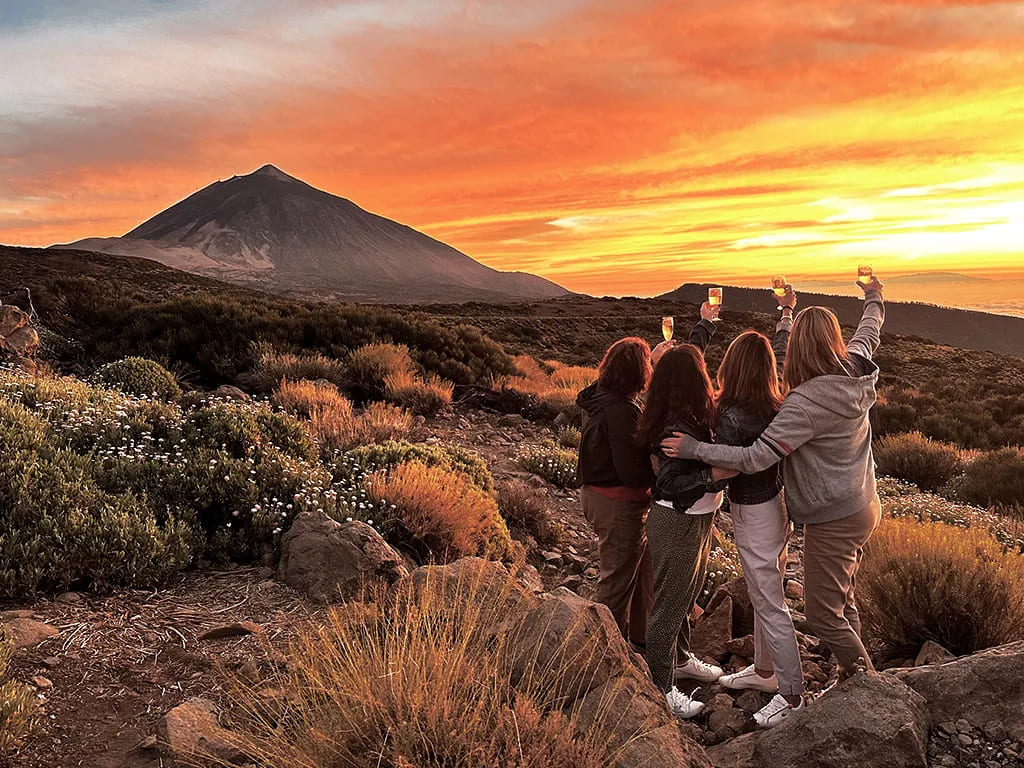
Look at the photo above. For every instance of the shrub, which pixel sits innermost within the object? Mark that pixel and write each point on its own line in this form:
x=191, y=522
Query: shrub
x=391, y=453
x=138, y=376
x=370, y=366
x=555, y=385
x=570, y=437
x=995, y=478
x=426, y=679
x=273, y=367
x=932, y=581
x=906, y=501
x=925, y=462
x=302, y=398
x=525, y=507
x=439, y=512
x=423, y=396
x=58, y=528
x=17, y=705
x=723, y=566
x=556, y=465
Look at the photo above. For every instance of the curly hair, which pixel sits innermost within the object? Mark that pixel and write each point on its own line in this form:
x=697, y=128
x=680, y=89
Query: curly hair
x=626, y=367
x=680, y=391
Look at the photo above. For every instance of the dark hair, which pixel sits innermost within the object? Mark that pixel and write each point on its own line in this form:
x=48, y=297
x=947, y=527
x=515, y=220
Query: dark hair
x=626, y=367
x=680, y=391
x=748, y=376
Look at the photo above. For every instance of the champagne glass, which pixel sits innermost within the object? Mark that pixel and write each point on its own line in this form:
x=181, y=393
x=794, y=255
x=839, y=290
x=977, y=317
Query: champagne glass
x=715, y=297
x=779, y=286
x=864, y=273
x=668, y=326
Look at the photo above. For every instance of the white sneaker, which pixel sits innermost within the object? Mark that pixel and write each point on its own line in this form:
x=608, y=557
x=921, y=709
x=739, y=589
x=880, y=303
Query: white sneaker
x=748, y=679
x=695, y=669
x=776, y=711
x=682, y=705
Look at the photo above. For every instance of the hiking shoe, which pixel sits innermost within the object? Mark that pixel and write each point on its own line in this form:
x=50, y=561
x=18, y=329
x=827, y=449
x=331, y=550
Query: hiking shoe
x=695, y=669
x=748, y=679
x=776, y=711
x=682, y=705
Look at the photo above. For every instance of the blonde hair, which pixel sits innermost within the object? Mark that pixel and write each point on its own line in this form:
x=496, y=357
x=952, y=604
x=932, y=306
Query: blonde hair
x=816, y=347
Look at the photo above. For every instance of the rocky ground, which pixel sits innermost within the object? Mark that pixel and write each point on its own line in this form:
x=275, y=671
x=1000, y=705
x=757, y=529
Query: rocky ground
x=108, y=669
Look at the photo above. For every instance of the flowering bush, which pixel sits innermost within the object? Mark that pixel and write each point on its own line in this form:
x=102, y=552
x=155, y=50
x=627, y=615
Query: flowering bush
x=392, y=453
x=138, y=376
x=723, y=567
x=932, y=581
x=570, y=437
x=439, y=512
x=554, y=464
x=923, y=461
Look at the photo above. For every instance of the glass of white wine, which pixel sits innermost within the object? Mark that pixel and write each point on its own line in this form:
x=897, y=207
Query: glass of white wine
x=715, y=297
x=668, y=326
x=864, y=273
x=779, y=286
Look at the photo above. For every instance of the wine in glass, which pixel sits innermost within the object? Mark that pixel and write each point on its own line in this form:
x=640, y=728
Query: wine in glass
x=779, y=286
x=668, y=326
x=864, y=273
x=715, y=297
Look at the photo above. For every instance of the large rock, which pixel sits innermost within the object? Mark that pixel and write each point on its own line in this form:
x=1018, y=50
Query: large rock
x=713, y=631
x=870, y=721
x=11, y=319
x=25, y=632
x=18, y=339
x=742, y=609
x=980, y=688
x=191, y=732
x=328, y=560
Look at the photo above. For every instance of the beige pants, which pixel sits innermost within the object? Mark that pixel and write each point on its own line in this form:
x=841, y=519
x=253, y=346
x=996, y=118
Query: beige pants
x=832, y=554
x=625, y=584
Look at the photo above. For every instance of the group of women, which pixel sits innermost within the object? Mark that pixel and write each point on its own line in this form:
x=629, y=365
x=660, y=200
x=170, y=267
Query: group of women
x=786, y=434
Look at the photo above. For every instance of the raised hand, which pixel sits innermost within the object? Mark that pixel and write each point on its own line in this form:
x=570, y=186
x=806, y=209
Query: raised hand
x=708, y=312
x=872, y=285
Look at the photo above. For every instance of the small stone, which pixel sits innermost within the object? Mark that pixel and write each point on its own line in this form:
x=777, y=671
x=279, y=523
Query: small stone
x=750, y=701
x=932, y=653
x=572, y=583
x=728, y=723
x=42, y=683
x=591, y=573
x=235, y=629
x=963, y=726
x=27, y=633
x=741, y=646
x=947, y=761
x=794, y=590
x=719, y=702
x=964, y=740
x=191, y=729
x=70, y=598
x=552, y=558
x=995, y=731
x=51, y=662
x=947, y=727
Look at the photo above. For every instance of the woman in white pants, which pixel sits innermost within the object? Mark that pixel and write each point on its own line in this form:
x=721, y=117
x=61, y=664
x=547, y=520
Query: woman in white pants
x=749, y=397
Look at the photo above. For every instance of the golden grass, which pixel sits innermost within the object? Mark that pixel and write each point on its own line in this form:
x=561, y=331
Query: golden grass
x=18, y=710
x=424, y=396
x=430, y=677
x=554, y=384
x=442, y=510
x=340, y=429
x=932, y=581
x=369, y=366
x=303, y=398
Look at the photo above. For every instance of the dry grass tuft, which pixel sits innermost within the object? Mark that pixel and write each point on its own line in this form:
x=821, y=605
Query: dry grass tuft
x=303, y=398
x=555, y=385
x=441, y=511
x=423, y=396
x=18, y=708
x=371, y=365
x=933, y=581
x=523, y=506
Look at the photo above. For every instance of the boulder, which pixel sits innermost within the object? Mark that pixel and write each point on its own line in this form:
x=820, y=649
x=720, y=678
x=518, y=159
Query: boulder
x=712, y=631
x=228, y=392
x=27, y=633
x=191, y=731
x=870, y=720
x=11, y=319
x=328, y=560
x=932, y=653
x=742, y=610
x=22, y=343
x=981, y=688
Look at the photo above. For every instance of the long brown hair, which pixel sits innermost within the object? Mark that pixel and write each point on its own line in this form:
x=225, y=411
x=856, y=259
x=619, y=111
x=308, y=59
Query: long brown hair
x=680, y=391
x=748, y=375
x=625, y=368
x=816, y=347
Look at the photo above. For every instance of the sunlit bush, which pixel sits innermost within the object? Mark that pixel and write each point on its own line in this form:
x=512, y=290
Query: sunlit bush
x=931, y=581
x=425, y=396
x=555, y=385
x=370, y=366
x=554, y=464
x=302, y=398
x=273, y=367
x=439, y=512
x=392, y=453
x=18, y=710
x=925, y=462
x=138, y=376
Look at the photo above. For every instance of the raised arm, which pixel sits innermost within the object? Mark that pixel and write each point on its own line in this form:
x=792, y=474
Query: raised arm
x=869, y=332
x=790, y=429
x=780, y=343
x=705, y=328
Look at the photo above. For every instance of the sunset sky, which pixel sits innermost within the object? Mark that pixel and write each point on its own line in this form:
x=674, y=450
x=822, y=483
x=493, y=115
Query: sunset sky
x=615, y=147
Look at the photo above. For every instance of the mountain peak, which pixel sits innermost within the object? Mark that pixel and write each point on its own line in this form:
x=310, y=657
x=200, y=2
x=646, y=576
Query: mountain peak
x=273, y=172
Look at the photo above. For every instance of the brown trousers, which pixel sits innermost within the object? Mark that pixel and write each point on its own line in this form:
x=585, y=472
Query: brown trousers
x=832, y=555
x=625, y=584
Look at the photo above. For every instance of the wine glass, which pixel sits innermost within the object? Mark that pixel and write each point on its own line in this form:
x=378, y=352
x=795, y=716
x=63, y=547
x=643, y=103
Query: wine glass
x=864, y=273
x=779, y=286
x=715, y=297
x=668, y=326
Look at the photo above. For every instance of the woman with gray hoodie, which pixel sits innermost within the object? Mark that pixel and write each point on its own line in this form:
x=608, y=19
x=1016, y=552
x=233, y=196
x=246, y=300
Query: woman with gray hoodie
x=823, y=437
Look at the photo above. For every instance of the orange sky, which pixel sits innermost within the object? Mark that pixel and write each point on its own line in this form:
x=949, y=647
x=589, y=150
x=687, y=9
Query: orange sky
x=613, y=147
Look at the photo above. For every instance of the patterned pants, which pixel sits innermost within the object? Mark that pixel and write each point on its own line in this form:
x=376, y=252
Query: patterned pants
x=679, y=545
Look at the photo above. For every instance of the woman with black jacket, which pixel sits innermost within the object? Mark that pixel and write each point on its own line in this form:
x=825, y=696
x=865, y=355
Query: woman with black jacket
x=616, y=474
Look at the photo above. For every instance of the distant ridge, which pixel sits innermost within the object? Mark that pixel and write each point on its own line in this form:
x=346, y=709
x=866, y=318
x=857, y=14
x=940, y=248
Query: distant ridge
x=273, y=231
x=963, y=328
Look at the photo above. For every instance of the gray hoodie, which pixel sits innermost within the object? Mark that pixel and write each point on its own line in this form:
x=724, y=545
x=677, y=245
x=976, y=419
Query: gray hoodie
x=821, y=432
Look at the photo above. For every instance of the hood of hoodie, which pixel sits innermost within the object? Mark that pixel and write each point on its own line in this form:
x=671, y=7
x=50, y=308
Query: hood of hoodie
x=594, y=399
x=847, y=396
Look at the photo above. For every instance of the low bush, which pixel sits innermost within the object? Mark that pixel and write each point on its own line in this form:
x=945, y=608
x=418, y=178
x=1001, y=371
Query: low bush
x=369, y=368
x=339, y=429
x=525, y=507
x=995, y=479
x=723, y=566
x=424, y=680
x=439, y=512
x=912, y=456
x=555, y=385
x=18, y=710
x=302, y=398
x=389, y=454
x=554, y=464
x=423, y=396
x=570, y=437
x=931, y=581
x=273, y=367
x=138, y=376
